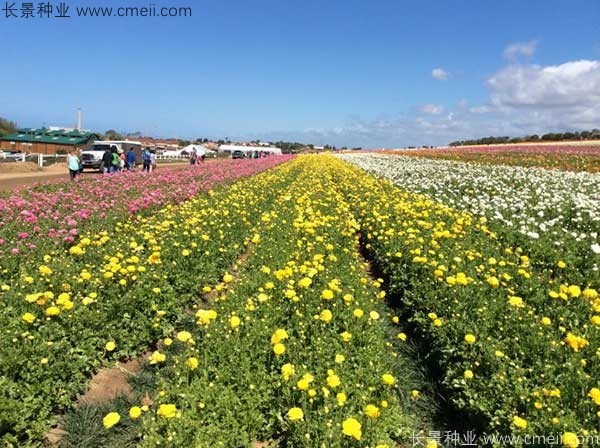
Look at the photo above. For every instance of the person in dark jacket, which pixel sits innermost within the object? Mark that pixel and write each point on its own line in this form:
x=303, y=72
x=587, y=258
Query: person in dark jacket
x=131, y=159
x=107, y=161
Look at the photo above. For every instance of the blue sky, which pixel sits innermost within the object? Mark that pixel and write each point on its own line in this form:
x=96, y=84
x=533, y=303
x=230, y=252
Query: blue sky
x=355, y=73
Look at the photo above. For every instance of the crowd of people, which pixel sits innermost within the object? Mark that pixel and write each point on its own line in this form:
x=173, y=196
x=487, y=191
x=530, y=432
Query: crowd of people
x=114, y=161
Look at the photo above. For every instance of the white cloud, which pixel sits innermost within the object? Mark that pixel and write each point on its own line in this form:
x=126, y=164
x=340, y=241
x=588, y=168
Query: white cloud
x=432, y=109
x=523, y=99
x=569, y=84
x=520, y=49
x=439, y=74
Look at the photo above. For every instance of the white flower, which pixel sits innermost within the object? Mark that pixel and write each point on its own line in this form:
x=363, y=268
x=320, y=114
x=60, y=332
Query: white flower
x=596, y=248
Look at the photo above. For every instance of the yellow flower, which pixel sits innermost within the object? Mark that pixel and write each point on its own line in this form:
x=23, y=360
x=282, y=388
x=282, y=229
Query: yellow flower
x=234, y=322
x=28, y=317
x=288, y=370
x=372, y=411
x=574, y=291
x=184, y=336
x=346, y=337
x=352, y=428
x=341, y=398
x=45, y=270
x=192, y=363
x=167, y=411
x=302, y=384
x=470, y=339
x=52, y=311
x=374, y=315
x=227, y=278
x=111, y=419
x=402, y=336
x=333, y=381
x=305, y=282
x=569, y=439
x=76, y=250
x=546, y=321
x=279, y=349
x=279, y=335
x=415, y=394
x=388, y=379
x=339, y=358
x=157, y=357
x=431, y=443
x=326, y=316
x=358, y=313
x=437, y=323
x=167, y=341
x=295, y=414
x=576, y=342
x=594, y=394
x=135, y=412
x=515, y=301
x=327, y=294
x=590, y=293
x=493, y=281
x=519, y=422
x=561, y=264
x=468, y=374
x=110, y=346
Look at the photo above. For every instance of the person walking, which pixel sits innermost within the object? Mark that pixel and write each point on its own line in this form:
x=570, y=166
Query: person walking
x=193, y=157
x=131, y=159
x=73, y=163
x=107, y=161
x=152, y=160
x=146, y=160
x=116, y=160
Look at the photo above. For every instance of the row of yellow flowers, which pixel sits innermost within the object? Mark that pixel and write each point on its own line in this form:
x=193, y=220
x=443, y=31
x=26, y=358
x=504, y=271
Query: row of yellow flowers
x=295, y=348
x=518, y=342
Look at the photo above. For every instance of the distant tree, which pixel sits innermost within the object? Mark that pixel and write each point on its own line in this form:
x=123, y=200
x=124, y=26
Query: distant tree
x=183, y=143
x=111, y=134
x=7, y=127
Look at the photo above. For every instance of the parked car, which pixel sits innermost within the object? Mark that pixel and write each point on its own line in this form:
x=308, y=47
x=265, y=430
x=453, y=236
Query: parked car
x=237, y=154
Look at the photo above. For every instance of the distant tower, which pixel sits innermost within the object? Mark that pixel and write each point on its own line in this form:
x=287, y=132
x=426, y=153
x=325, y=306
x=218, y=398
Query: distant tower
x=79, y=118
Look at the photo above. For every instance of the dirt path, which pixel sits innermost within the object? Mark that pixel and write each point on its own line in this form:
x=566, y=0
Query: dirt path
x=10, y=181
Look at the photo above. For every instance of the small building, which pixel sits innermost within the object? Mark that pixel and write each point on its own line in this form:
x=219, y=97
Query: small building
x=47, y=141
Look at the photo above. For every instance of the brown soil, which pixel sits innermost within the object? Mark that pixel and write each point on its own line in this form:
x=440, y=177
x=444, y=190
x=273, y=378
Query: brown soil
x=19, y=167
x=106, y=385
x=110, y=383
x=10, y=180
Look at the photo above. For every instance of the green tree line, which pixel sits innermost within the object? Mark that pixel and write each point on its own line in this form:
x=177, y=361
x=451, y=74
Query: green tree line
x=594, y=134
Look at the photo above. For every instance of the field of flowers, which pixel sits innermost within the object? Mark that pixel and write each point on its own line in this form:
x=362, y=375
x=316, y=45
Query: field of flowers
x=497, y=268
x=256, y=310
x=557, y=157
x=61, y=305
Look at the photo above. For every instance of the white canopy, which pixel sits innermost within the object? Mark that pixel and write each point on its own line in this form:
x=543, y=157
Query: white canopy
x=200, y=149
x=246, y=149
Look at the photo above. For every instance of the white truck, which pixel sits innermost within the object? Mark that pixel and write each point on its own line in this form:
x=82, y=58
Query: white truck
x=91, y=157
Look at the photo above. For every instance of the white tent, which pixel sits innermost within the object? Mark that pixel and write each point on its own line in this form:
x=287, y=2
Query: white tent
x=247, y=149
x=201, y=150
